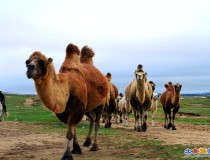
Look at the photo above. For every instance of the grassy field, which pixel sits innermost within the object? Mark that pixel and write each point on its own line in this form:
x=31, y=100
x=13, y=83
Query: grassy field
x=39, y=115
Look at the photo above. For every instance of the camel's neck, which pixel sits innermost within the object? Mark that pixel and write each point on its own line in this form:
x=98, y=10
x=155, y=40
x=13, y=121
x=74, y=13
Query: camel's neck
x=140, y=91
x=53, y=93
x=175, y=97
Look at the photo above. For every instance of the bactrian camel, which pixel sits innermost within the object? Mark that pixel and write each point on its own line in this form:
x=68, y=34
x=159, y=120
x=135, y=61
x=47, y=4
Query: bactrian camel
x=170, y=99
x=126, y=109
x=111, y=106
x=118, y=115
x=154, y=105
x=78, y=89
x=140, y=96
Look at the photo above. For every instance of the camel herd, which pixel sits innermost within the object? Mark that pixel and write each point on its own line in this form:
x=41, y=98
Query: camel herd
x=81, y=89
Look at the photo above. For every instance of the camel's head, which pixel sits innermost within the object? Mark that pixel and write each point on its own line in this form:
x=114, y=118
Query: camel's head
x=37, y=65
x=119, y=97
x=178, y=87
x=141, y=76
x=152, y=85
x=109, y=76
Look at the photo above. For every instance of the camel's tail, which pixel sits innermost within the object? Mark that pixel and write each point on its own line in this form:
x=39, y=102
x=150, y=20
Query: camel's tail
x=86, y=55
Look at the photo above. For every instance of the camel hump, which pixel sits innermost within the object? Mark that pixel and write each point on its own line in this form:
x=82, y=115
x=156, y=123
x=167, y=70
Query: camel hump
x=86, y=55
x=72, y=49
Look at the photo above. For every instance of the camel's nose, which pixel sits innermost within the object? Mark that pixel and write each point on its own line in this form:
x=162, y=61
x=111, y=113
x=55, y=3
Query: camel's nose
x=30, y=70
x=30, y=67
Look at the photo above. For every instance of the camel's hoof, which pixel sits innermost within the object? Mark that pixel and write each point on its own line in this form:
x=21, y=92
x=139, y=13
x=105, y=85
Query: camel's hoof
x=94, y=147
x=144, y=127
x=139, y=129
x=67, y=155
x=173, y=128
x=108, y=125
x=76, y=149
x=87, y=142
x=170, y=125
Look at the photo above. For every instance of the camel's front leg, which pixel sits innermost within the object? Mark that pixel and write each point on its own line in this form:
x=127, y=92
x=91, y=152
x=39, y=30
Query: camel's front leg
x=168, y=110
x=166, y=118
x=107, y=119
x=176, y=109
x=121, y=117
x=137, y=121
x=153, y=118
x=74, y=118
x=144, y=119
x=76, y=147
x=67, y=155
x=126, y=119
x=116, y=118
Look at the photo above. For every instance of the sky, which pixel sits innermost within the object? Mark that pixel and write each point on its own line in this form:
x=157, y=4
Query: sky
x=171, y=39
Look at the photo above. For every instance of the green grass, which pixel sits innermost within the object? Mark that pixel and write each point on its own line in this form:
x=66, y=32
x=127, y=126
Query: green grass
x=199, y=106
x=41, y=116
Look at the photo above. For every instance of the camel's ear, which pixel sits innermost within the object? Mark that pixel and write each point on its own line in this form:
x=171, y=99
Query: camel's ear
x=50, y=60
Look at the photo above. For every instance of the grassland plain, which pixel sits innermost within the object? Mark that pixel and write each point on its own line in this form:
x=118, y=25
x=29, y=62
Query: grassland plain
x=32, y=132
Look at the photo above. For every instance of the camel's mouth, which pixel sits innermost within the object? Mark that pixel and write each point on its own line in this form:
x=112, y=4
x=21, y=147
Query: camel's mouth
x=30, y=73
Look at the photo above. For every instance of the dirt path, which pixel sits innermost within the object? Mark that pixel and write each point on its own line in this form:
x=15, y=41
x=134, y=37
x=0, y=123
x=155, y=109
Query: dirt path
x=18, y=141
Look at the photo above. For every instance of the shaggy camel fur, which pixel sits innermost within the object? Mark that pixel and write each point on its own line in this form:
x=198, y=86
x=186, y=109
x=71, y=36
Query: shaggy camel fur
x=72, y=92
x=170, y=99
x=111, y=107
x=126, y=109
x=140, y=96
x=154, y=105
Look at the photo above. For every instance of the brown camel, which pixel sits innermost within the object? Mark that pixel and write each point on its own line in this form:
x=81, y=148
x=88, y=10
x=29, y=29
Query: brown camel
x=170, y=99
x=111, y=107
x=140, y=96
x=71, y=93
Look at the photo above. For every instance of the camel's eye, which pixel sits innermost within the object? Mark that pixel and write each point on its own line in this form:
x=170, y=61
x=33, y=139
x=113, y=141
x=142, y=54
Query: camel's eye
x=42, y=63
